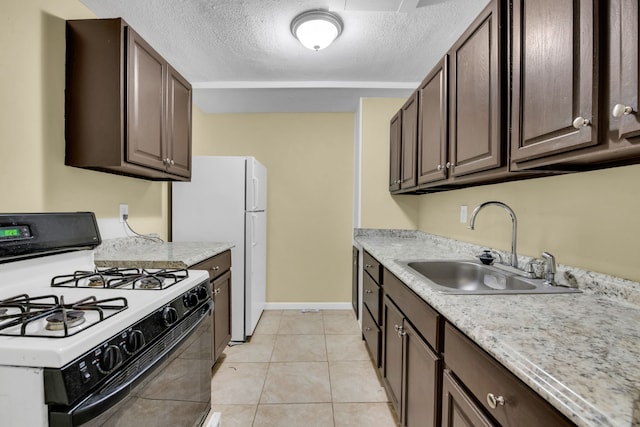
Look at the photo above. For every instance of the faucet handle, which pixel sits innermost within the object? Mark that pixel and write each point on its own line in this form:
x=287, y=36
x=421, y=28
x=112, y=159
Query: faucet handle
x=550, y=262
x=549, y=268
x=531, y=268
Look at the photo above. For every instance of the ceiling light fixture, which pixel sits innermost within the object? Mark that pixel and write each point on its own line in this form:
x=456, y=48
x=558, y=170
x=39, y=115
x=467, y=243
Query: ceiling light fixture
x=316, y=29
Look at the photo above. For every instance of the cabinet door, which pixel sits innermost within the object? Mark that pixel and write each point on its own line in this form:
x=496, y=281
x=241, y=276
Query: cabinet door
x=355, y=267
x=371, y=335
x=394, y=155
x=392, y=343
x=221, y=288
x=625, y=80
x=553, y=53
x=458, y=409
x=146, y=104
x=475, y=79
x=178, y=124
x=432, y=125
x=408, y=143
x=421, y=399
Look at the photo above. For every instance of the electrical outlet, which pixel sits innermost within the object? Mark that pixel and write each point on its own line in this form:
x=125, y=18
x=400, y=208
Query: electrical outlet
x=124, y=210
x=463, y=214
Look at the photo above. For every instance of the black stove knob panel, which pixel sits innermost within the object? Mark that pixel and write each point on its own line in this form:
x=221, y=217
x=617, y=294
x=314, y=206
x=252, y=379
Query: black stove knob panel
x=202, y=292
x=111, y=358
x=169, y=316
x=190, y=300
x=134, y=342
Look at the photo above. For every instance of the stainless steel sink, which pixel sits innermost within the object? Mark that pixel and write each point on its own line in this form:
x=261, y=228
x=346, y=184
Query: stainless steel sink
x=469, y=277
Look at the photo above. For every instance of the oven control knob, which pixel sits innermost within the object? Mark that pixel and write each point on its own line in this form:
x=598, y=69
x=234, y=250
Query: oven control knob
x=169, y=316
x=135, y=341
x=190, y=300
x=111, y=358
x=202, y=292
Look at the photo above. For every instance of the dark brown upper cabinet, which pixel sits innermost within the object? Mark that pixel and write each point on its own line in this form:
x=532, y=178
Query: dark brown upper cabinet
x=554, y=68
x=624, y=88
x=433, y=142
x=408, y=143
x=394, y=155
x=476, y=76
x=127, y=110
x=589, y=71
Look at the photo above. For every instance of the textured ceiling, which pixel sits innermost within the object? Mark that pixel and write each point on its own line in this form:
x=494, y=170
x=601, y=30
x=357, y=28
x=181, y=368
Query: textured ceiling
x=240, y=55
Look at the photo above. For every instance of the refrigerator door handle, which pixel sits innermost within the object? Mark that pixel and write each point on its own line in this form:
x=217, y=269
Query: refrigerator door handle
x=256, y=189
x=253, y=229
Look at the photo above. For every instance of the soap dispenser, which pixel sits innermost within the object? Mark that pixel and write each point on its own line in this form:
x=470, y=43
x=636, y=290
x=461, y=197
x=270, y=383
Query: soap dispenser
x=486, y=257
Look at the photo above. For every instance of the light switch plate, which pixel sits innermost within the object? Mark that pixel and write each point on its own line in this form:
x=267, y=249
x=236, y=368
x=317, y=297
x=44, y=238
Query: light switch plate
x=463, y=214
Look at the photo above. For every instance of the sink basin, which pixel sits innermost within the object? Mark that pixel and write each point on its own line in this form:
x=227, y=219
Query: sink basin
x=469, y=277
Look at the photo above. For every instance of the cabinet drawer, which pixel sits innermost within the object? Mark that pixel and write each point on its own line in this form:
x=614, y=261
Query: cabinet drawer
x=483, y=375
x=373, y=267
x=216, y=265
x=425, y=319
x=372, y=335
x=458, y=405
x=371, y=297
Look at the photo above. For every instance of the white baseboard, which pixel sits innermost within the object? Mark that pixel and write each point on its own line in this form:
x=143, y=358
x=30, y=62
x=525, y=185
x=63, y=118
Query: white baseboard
x=308, y=306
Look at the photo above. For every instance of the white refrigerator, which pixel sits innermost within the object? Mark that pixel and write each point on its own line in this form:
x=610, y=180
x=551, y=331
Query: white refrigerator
x=226, y=201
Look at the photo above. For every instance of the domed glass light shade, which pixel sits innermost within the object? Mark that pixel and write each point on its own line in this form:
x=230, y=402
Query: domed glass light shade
x=316, y=29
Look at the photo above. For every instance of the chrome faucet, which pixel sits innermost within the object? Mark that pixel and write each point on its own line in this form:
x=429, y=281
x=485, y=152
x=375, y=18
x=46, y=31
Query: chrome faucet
x=549, y=269
x=514, y=226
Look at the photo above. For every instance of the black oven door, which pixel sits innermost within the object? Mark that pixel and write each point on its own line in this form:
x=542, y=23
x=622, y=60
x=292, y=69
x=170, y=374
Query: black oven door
x=169, y=385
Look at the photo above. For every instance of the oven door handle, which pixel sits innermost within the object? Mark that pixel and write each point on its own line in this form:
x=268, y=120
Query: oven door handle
x=120, y=386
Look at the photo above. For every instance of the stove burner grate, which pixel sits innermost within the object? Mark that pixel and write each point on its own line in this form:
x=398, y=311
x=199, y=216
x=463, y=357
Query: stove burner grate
x=121, y=278
x=26, y=311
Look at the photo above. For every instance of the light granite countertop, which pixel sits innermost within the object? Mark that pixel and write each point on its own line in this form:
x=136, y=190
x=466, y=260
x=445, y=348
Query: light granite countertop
x=154, y=253
x=580, y=352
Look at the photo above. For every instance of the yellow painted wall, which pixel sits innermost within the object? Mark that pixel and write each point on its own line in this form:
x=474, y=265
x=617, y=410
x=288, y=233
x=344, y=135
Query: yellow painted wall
x=32, y=171
x=379, y=208
x=309, y=159
x=587, y=220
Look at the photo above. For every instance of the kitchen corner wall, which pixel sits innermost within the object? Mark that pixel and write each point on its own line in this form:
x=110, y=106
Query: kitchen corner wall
x=309, y=159
x=379, y=209
x=33, y=175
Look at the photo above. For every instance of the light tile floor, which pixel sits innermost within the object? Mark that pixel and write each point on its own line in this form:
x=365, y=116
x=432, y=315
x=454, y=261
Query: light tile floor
x=301, y=369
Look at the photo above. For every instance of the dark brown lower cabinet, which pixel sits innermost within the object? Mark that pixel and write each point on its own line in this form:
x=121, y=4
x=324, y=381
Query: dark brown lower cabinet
x=421, y=380
x=355, y=268
x=372, y=335
x=458, y=408
x=410, y=370
x=222, y=316
x=219, y=269
x=392, y=353
x=500, y=394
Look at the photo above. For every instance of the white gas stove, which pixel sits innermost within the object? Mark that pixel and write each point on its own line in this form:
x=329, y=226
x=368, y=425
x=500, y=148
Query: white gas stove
x=87, y=346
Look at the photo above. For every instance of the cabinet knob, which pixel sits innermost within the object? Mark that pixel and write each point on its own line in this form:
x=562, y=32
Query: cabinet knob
x=368, y=291
x=493, y=401
x=216, y=291
x=172, y=162
x=439, y=167
x=580, y=122
x=448, y=165
x=216, y=268
x=620, y=110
